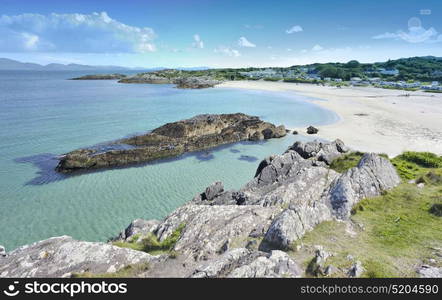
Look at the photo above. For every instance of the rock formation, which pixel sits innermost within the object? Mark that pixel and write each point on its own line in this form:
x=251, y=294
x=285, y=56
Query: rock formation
x=101, y=77
x=233, y=233
x=181, y=79
x=172, y=139
x=312, y=130
x=62, y=256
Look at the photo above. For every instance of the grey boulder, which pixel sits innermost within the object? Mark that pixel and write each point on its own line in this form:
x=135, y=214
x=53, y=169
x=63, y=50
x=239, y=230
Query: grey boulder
x=61, y=256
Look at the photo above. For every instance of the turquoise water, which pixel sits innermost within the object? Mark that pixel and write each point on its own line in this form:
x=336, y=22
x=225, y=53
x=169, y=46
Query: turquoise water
x=43, y=115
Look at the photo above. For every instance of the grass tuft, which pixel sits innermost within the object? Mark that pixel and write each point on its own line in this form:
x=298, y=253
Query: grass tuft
x=345, y=162
x=151, y=244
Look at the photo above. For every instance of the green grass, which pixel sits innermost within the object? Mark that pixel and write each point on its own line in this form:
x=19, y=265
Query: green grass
x=151, y=244
x=401, y=228
x=129, y=271
x=410, y=165
x=345, y=162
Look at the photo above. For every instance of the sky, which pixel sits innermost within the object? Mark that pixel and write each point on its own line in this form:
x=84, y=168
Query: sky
x=222, y=33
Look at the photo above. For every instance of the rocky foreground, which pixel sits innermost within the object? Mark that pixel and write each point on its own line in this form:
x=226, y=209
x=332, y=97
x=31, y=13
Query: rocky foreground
x=236, y=233
x=172, y=139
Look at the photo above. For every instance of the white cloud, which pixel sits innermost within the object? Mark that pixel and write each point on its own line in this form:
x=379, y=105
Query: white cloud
x=81, y=33
x=198, y=43
x=227, y=51
x=294, y=29
x=243, y=42
x=415, y=34
x=317, y=48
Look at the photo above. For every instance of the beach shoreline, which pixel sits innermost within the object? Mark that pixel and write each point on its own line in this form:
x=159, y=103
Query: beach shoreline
x=370, y=119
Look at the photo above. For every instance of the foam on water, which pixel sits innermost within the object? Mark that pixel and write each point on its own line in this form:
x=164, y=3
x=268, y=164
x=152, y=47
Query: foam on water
x=43, y=115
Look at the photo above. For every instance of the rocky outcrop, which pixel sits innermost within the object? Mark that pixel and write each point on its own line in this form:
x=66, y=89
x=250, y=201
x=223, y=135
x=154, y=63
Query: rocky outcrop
x=211, y=230
x=138, y=226
x=426, y=271
x=62, y=256
x=195, y=83
x=243, y=263
x=180, y=78
x=321, y=151
x=373, y=175
x=228, y=233
x=101, y=77
x=172, y=139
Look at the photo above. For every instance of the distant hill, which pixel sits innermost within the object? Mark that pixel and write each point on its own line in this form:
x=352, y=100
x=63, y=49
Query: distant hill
x=10, y=64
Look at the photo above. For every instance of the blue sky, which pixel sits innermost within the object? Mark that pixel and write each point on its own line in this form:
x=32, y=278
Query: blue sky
x=227, y=33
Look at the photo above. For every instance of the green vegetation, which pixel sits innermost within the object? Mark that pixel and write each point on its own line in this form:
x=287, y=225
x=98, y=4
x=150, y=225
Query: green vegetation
x=390, y=234
x=424, y=69
x=409, y=164
x=151, y=244
x=347, y=161
x=129, y=271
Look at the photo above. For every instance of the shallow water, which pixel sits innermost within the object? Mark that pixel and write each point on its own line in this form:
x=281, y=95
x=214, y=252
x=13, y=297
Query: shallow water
x=43, y=115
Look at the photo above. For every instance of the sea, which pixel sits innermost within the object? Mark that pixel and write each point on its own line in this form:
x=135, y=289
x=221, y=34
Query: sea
x=44, y=115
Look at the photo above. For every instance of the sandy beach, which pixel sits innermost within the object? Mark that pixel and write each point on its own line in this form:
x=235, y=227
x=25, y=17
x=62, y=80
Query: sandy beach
x=371, y=119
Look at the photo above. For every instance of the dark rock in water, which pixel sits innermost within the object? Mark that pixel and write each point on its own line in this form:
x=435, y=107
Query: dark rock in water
x=294, y=132
x=198, y=133
x=312, y=130
x=101, y=77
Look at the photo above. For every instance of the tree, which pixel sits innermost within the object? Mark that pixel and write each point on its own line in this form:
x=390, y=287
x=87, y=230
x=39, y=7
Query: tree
x=352, y=64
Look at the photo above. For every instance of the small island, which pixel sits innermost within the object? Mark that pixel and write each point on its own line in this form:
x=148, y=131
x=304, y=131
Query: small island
x=114, y=76
x=198, y=133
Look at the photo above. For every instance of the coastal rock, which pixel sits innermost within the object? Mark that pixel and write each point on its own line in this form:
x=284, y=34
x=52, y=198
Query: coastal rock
x=244, y=263
x=325, y=152
x=61, y=256
x=171, y=76
x=195, y=82
x=172, y=139
x=209, y=228
x=356, y=270
x=213, y=190
x=114, y=76
x=276, y=265
x=294, y=222
x=2, y=251
x=312, y=130
x=373, y=175
x=138, y=226
x=426, y=271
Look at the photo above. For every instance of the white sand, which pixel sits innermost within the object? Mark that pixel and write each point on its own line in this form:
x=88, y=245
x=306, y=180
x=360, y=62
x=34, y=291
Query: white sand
x=392, y=124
